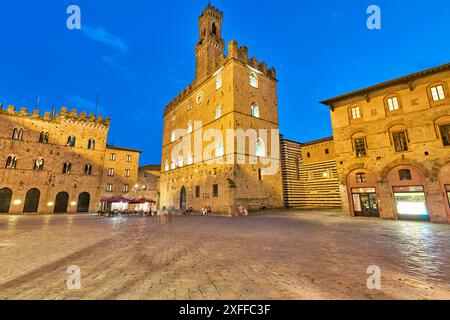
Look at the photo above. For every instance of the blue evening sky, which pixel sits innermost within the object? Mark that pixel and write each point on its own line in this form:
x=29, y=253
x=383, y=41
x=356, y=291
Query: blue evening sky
x=140, y=54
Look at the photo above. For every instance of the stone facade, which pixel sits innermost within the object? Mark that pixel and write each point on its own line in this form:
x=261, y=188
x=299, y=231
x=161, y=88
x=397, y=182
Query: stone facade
x=393, y=149
x=54, y=163
x=148, y=183
x=310, y=178
x=228, y=93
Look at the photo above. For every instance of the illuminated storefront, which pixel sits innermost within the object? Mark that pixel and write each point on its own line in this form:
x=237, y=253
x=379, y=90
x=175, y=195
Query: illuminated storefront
x=411, y=203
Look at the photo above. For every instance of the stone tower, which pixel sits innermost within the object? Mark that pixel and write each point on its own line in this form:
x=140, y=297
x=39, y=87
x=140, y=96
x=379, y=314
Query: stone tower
x=232, y=98
x=210, y=46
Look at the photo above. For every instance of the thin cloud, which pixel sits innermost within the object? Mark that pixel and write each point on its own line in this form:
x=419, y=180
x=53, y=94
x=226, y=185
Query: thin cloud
x=113, y=63
x=101, y=35
x=81, y=104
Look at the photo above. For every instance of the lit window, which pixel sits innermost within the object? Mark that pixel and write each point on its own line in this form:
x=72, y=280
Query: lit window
x=109, y=187
x=127, y=173
x=218, y=112
x=260, y=148
x=67, y=167
x=254, y=110
x=111, y=172
x=393, y=104
x=218, y=82
x=400, y=141
x=112, y=157
x=11, y=162
x=128, y=158
x=438, y=93
x=356, y=113
x=173, y=165
x=173, y=137
x=190, y=160
x=405, y=175
x=361, y=177
x=253, y=78
x=360, y=147
x=174, y=117
x=445, y=134
x=39, y=164
x=190, y=127
x=88, y=169
x=126, y=188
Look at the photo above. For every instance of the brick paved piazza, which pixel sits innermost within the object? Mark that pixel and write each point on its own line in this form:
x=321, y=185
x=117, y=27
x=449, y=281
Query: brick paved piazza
x=295, y=255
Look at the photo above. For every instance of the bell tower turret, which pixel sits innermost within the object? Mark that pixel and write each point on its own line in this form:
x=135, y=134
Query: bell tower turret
x=211, y=45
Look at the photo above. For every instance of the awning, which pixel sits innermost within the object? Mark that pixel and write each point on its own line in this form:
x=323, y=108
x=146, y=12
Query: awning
x=116, y=200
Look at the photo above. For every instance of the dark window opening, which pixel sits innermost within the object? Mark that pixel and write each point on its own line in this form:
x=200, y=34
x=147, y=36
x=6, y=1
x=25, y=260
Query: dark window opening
x=360, y=147
x=400, y=141
x=197, y=191
x=215, y=190
x=405, y=175
x=445, y=134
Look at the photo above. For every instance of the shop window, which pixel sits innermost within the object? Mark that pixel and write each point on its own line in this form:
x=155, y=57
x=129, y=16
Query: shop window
x=405, y=175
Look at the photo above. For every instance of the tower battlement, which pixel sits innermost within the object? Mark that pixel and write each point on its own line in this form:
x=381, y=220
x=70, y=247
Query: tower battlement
x=212, y=11
x=63, y=115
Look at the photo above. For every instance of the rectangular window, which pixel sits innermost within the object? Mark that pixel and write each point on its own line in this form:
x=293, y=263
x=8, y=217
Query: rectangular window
x=128, y=158
x=356, y=113
x=360, y=147
x=127, y=172
x=438, y=93
x=109, y=187
x=405, y=175
x=445, y=134
x=447, y=189
x=197, y=191
x=112, y=157
x=361, y=177
x=126, y=188
x=111, y=172
x=400, y=141
x=393, y=104
x=215, y=190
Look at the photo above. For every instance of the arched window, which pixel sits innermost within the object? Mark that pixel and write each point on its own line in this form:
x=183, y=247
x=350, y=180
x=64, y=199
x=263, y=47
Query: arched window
x=43, y=137
x=253, y=78
x=11, y=162
x=88, y=169
x=17, y=134
x=260, y=148
x=39, y=164
x=327, y=151
x=190, y=127
x=218, y=112
x=214, y=29
x=67, y=167
x=91, y=144
x=71, y=141
x=190, y=160
x=392, y=103
x=219, y=150
x=173, y=165
x=166, y=166
x=218, y=82
x=438, y=92
x=254, y=110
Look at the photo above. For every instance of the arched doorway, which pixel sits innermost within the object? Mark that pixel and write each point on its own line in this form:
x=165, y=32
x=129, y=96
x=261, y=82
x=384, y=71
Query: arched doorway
x=32, y=201
x=410, y=189
x=444, y=177
x=61, y=202
x=183, y=198
x=84, y=200
x=5, y=200
x=362, y=188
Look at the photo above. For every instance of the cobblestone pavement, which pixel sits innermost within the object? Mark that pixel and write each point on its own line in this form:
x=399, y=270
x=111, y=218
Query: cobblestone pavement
x=289, y=255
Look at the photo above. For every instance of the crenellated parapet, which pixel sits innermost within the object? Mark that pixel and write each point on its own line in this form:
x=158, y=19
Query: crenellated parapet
x=212, y=11
x=241, y=54
x=63, y=116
